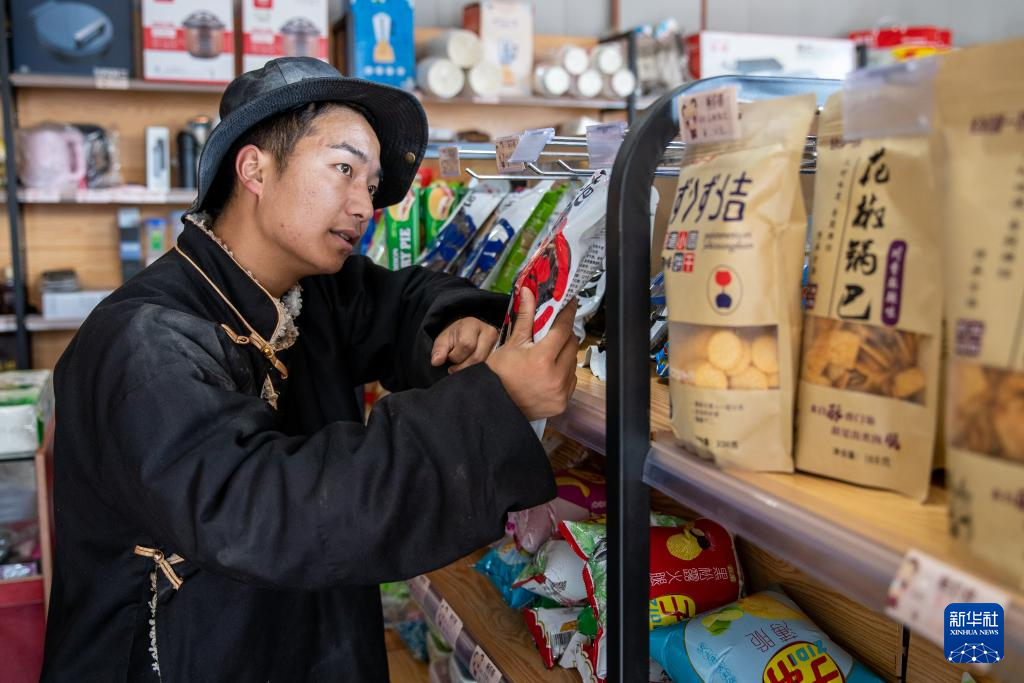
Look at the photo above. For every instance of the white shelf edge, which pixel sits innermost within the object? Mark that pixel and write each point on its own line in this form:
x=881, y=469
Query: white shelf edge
x=36, y=323
x=21, y=80
x=111, y=197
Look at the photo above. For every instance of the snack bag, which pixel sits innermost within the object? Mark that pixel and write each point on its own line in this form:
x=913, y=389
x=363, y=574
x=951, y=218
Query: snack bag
x=552, y=630
x=511, y=216
x=732, y=258
x=402, y=222
x=581, y=495
x=763, y=637
x=502, y=564
x=505, y=274
x=693, y=567
x=555, y=573
x=980, y=157
x=437, y=201
x=869, y=373
x=480, y=202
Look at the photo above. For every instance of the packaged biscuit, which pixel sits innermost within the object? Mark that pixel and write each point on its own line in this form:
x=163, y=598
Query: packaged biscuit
x=502, y=564
x=581, y=495
x=869, y=371
x=552, y=630
x=980, y=153
x=471, y=214
x=436, y=203
x=762, y=637
x=555, y=573
x=402, y=222
x=513, y=213
x=732, y=257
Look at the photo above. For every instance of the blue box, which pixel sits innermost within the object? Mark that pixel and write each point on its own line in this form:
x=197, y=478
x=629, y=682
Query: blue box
x=379, y=42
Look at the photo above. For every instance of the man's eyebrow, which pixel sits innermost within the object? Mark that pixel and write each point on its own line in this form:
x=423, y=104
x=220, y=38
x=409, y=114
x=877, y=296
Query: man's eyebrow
x=359, y=153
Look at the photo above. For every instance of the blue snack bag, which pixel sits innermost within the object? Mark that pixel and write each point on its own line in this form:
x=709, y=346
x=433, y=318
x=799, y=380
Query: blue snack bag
x=502, y=565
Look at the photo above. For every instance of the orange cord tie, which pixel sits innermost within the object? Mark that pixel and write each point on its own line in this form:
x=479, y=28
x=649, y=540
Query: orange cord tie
x=163, y=563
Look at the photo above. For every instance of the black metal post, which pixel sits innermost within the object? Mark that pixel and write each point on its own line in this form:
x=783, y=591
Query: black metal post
x=22, y=349
x=631, y=59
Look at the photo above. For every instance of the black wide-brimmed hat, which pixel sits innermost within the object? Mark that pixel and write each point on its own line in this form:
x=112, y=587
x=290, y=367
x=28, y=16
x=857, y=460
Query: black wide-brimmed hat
x=288, y=83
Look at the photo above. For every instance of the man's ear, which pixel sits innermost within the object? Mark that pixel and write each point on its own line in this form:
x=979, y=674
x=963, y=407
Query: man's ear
x=251, y=168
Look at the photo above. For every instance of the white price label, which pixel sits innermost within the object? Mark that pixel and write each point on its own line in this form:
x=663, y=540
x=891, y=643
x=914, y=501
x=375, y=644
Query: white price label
x=531, y=144
x=109, y=78
x=503, y=149
x=711, y=116
x=603, y=142
x=482, y=669
x=448, y=623
x=922, y=588
x=448, y=160
x=419, y=586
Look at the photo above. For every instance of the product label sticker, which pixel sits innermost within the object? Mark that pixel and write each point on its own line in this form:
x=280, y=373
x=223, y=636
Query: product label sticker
x=603, y=142
x=110, y=78
x=448, y=160
x=448, y=622
x=711, y=116
x=924, y=587
x=503, y=150
x=419, y=586
x=531, y=144
x=482, y=669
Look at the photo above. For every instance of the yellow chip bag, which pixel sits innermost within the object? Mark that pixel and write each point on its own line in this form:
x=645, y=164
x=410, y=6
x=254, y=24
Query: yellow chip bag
x=732, y=260
x=979, y=105
x=869, y=389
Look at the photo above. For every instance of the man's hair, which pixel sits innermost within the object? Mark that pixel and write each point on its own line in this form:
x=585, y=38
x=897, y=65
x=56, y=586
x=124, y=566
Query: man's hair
x=277, y=136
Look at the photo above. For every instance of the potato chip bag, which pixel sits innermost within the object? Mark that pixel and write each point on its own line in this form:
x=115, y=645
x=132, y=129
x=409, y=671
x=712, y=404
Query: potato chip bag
x=501, y=565
x=552, y=630
x=869, y=374
x=463, y=224
x=979, y=104
x=581, y=495
x=732, y=258
x=763, y=637
x=556, y=573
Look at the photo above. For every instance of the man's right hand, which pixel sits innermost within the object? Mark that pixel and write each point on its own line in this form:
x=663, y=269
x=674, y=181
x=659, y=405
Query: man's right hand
x=540, y=377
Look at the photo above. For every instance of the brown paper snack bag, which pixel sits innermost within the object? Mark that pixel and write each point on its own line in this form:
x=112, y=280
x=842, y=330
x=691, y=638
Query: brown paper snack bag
x=869, y=375
x=979, y=102
x=732, y=260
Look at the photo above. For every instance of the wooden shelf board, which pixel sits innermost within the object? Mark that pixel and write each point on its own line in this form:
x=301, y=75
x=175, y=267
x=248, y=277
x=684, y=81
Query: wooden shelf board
x=115, y=196
x=499, y=630
x=89, y=83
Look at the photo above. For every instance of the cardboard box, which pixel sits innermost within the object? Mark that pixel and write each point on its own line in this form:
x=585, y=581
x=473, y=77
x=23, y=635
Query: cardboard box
x=26, y=404
x=379, y=42
x=71, y=305
x=720, y=53
x=402, y=222
x=190, y=41
x=81, y=37
x=506, y=34
x=282, y=28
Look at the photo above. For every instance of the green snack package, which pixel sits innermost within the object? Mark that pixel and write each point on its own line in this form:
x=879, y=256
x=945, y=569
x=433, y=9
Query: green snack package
x=436, y=202
x=517, y=252
x=402, y=224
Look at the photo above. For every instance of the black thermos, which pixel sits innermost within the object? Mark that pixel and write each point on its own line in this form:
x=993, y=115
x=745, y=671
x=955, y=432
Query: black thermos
x=187, y=159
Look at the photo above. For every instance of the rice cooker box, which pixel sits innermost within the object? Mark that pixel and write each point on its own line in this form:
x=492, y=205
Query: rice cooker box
x=282, y=28
x=189, y=41
x=723, y=53
x=378, y=42
x=82, y=37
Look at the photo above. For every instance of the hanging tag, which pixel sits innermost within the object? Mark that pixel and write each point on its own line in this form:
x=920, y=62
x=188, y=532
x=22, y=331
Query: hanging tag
x=419, y=586
x=531, y=144
x=503, y=149
x=603, y=142
x=448, y=160
x=922, y=589
x=448, y=623
x=711, y=116
x=890, y=101
x=110, y=78
x=482, y=669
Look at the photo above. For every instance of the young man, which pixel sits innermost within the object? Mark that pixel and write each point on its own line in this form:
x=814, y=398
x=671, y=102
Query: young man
x=223, y=513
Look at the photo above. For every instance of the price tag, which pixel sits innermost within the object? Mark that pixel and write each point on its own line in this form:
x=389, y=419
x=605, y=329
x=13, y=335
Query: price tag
x=922, y=588
x=448, y=623
x=419, y=586
x=482, y=669
x=503, y=149
x=711, y=116
x=448, y=160
x=110, y=78
x=603, y=142
x=531, y=144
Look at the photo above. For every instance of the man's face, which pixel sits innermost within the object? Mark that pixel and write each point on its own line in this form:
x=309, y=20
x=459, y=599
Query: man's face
x=317, y=208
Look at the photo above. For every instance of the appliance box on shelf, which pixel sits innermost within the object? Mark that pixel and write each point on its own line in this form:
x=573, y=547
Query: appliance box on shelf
x=897, y=44
x=26, y=404
x=80, y=37
x=506, y=33
x=282, y=28
x=188, y=40
x=71, y=305
x=378, y=42
x=720, y=53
